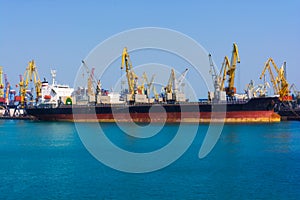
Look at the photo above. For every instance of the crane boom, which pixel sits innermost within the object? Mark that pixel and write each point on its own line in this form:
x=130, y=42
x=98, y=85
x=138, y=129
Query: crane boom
x=90, y=74
x=295, y=90
x=272, y=77
x=146, y=79
x=284, y=85
x=149, y=84
x=218, y=77
x=130, y=75
x=1, y=83
x=90, y=83
x=222, y=75
x=212, y=70
x=235, y=58
x=169, y=87
x=280, y=84
x=30, y=75
x=181, y=77
x=7, y=89
x=156, y=95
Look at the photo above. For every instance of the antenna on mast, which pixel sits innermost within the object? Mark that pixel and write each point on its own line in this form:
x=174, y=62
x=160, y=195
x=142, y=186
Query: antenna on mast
x=53, y=74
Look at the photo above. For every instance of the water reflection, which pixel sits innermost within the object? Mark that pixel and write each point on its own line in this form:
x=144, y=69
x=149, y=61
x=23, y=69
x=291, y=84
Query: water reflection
x=278, y=142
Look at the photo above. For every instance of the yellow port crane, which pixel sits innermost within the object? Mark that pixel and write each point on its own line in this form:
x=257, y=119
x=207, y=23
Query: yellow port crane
x=90, y=86
x=222, y=75
x=141, y=88
x=30, y=75
x=130, y=75
x=235, y=58
x=91, y=81
x=22, y=91
x=149, y=84
x=1, y=83
x=284, y=85
x=7, y=89
x=296, y=92
x=280, y=84
x=169, y=87
x=218, y=77
x=172, y=90
x=156, y=95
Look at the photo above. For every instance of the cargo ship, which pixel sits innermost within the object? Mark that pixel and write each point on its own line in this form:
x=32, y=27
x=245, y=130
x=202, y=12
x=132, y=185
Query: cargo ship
x=255, y=110
x=288, y=110
x=288, y=114
x=94, y=104
x=62, y=103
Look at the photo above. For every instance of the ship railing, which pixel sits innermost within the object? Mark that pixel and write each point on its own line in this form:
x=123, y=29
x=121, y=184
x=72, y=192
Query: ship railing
x=228, y=101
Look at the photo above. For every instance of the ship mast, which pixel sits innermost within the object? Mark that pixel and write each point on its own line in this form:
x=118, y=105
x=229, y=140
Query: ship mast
x=53, y=74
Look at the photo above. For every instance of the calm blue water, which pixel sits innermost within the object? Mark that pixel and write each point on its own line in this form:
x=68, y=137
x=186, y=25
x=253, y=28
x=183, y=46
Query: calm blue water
x=45, y=160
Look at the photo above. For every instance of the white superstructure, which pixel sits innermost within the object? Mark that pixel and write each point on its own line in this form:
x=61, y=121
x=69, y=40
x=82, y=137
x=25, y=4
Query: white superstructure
x=55, y=94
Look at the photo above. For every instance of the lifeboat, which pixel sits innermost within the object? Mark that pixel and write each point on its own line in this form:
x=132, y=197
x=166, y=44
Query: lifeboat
x=47, y=97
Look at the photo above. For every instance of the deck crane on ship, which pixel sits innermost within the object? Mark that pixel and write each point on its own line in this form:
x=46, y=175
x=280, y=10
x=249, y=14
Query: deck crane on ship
x=295, y=91
x=149, y=83
x=227, y=70
x=214, y=73
x=218, y=79
x=30, y=75
x=157, y=97
x=172, y=91
x=92, y=83
x=279, y=82
x=235, y=58
x=2, y=99
x=179, y=84
x=169, y=87
x=130, y=75
x=223, y=73
x=7, y=89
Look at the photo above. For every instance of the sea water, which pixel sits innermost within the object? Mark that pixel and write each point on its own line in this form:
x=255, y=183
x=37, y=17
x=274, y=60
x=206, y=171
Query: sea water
x=47, y=160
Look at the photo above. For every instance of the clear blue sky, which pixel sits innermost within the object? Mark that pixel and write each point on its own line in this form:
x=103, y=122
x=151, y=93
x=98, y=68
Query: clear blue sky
x=60, y=33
